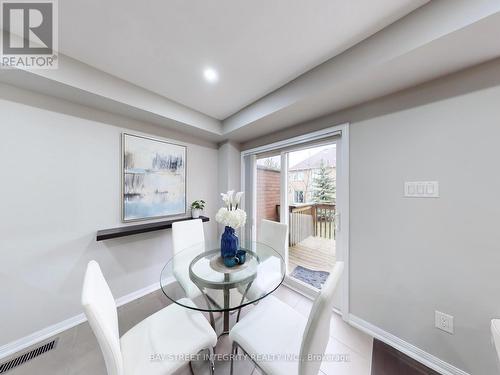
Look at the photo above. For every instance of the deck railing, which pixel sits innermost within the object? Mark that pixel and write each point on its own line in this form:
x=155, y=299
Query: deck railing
x=315, y=219
x=325, y=220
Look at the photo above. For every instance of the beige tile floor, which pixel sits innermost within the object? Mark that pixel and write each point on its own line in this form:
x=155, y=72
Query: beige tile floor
x=77, y=352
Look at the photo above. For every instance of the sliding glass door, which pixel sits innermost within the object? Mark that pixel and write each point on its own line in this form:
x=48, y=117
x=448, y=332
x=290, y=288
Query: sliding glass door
x=303, y=183
x=311, y=210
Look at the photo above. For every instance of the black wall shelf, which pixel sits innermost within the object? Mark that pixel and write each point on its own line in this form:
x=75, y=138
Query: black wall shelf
x=107, y=234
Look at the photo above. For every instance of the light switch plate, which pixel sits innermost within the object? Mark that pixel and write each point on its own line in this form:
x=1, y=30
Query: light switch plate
x=422, y=189
x=444, y=322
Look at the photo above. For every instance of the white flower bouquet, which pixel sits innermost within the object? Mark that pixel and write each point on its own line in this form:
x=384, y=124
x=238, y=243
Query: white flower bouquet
x=230, y=215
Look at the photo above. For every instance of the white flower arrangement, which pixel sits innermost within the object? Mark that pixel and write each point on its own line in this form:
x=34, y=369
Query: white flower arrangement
x=231, y=215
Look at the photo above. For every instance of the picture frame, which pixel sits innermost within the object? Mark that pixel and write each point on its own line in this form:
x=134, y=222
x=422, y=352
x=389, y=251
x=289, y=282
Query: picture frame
x=153, y=178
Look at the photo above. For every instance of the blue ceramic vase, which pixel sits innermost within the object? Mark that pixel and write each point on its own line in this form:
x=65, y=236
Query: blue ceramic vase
x=229, y=243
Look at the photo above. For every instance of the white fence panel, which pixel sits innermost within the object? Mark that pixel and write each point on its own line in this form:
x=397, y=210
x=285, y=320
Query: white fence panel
x=301, y=227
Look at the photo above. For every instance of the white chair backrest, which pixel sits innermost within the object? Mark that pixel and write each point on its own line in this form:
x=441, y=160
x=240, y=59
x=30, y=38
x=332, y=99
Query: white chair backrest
x=274, y=235
x=495, y=335
x=317, y=332
x=187, y=234
x=100, y=308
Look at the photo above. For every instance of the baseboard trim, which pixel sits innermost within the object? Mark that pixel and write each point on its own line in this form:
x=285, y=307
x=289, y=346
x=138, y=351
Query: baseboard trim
x=300, y=287
x=300, y=291
x=25, y=342
x=138, y=294
x=406, y=348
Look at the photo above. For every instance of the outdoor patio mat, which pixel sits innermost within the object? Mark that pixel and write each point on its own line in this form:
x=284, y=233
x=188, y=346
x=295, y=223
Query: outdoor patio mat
x=314, y=278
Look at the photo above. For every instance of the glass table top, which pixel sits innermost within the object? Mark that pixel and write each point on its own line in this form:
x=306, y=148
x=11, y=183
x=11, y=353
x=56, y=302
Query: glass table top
x=198, y=273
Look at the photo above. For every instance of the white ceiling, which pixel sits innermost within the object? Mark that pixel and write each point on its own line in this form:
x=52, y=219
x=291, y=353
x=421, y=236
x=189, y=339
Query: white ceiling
x=256, y=46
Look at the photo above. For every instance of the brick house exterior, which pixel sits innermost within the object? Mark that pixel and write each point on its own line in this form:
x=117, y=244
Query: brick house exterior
x=268, y=193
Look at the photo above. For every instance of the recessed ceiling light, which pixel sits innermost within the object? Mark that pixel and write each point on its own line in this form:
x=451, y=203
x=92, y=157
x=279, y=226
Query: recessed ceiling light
x=211, y=75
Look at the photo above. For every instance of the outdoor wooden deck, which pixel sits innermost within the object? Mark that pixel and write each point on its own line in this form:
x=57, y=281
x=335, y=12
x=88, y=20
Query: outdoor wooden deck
x=315, y=253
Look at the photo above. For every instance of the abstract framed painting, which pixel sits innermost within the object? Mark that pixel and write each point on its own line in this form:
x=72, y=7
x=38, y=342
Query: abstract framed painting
x=153, y=178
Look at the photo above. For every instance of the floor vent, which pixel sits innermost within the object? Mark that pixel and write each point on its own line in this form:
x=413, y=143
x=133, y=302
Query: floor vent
x=23, y=358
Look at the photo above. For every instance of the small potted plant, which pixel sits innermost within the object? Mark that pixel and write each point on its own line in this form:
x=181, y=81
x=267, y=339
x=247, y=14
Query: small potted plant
x=196, y=208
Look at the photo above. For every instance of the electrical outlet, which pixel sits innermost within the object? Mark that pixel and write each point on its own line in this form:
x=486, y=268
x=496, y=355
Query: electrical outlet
x=444, y=322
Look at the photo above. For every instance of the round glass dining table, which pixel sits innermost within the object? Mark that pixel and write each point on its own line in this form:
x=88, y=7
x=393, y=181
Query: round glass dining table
x=203, y=277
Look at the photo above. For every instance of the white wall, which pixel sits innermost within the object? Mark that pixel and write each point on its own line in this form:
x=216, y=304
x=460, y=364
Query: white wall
x=60, y=183
x=229, y=167
x=409, y=257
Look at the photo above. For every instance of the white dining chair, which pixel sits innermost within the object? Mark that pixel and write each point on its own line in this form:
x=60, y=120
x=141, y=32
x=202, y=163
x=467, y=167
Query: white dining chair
x=275, y=328
x=188, y=240
x=159, y=345
x=274, y=235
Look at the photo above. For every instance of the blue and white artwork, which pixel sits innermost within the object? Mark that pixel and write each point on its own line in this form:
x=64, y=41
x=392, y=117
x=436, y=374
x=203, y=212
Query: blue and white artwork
x=154, y=178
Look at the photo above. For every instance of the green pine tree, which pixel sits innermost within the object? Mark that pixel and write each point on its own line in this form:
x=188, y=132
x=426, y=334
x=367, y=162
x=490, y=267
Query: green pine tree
x=323, y=186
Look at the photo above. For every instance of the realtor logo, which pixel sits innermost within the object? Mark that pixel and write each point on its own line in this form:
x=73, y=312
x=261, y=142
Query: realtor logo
x=29, y=35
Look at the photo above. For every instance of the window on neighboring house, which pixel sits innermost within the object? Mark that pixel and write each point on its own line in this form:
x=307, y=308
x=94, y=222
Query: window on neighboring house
x=299, y=196
x=296, y=176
